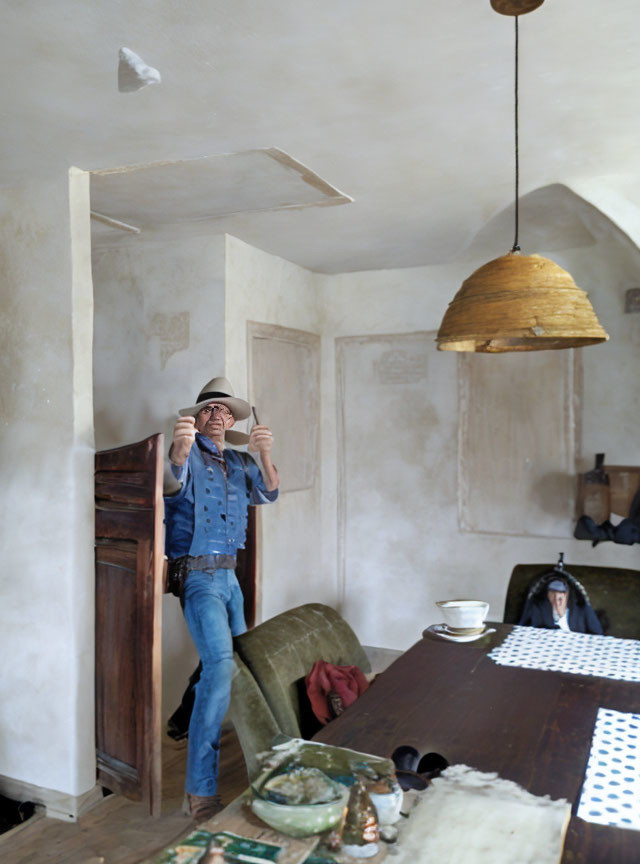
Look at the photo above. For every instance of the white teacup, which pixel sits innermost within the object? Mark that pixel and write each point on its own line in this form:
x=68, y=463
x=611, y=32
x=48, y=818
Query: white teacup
x=463, y=614
x=388, y=806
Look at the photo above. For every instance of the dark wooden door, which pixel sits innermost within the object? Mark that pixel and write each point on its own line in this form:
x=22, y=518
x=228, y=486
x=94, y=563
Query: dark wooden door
x=247, y=568
x=129, y=586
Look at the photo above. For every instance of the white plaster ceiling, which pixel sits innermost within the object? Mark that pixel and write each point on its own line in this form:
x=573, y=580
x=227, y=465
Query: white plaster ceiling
x=405, y=106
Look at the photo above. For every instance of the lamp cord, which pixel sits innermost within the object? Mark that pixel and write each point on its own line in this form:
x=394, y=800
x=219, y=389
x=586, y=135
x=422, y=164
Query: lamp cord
x=516, y=247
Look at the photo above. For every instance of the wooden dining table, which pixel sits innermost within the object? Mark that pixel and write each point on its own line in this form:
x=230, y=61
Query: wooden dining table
x=530, y=726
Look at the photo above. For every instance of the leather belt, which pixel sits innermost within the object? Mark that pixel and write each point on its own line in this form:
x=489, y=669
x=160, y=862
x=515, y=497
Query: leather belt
x=208, y=563
x=179, y=568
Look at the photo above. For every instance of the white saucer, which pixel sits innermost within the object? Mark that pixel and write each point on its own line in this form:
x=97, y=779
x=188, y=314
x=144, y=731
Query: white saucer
x=443, y=632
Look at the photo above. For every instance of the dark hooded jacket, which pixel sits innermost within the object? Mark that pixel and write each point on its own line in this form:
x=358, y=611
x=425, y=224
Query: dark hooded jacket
x=537, y=610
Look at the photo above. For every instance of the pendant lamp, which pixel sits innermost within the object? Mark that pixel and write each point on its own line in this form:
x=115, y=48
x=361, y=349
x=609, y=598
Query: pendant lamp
x=519, y=302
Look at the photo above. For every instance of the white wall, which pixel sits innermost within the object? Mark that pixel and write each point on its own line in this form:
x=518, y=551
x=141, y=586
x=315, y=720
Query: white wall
x=379, y=598
x=159, y=337
x=46, y=509
x=396, y=547
x=449, y=562
x=159, y=333
x=147, y=365
x=269, y=290
x=611, y=371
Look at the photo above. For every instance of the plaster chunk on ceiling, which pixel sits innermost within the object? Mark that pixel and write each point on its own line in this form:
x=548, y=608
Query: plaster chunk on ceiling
x=134, y=73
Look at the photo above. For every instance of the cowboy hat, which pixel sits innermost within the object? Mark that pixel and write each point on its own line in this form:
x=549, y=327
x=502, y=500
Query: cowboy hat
x=220, y=390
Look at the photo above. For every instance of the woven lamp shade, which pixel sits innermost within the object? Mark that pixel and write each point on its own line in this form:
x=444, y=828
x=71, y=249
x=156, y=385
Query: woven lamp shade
x=519, y=303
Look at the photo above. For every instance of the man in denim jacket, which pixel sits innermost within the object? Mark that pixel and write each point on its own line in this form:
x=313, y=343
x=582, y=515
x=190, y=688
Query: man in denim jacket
x=206, y=522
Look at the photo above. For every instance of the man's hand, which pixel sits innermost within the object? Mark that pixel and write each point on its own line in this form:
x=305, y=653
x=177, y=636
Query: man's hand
x=260, y=439
x=184, y=434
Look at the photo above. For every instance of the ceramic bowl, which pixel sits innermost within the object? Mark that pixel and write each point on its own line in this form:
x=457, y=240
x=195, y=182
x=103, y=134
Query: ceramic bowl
x=301, y=820
x=463, y=614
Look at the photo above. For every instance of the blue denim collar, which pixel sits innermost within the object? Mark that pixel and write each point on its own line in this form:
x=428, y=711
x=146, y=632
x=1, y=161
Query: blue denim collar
x=207, y=444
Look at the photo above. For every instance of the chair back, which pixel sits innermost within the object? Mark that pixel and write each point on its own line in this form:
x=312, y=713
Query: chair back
x=614, y=590
x=280, y=653
x=252, y=719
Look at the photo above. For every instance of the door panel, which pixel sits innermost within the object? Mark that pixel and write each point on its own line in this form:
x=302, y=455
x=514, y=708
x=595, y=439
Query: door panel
x=247, y=568
x=129, y=585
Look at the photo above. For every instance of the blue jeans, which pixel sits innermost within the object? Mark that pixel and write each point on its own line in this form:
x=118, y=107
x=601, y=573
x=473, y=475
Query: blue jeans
x=214, y=611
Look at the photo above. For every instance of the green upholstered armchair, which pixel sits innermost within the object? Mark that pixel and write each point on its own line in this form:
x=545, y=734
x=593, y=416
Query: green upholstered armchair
x=271, y=662
x=613, y=590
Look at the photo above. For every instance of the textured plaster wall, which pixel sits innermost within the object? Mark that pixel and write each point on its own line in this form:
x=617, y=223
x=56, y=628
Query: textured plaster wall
x=159, y=337
x=168, y=317
x=431, y=558
x=611, y=371
x=390, y=542
x=46, y=501
x=381, y=604
x=159, y=333
x=270, y=290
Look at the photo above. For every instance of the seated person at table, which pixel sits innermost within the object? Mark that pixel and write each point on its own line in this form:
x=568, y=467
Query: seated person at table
x=552, y=604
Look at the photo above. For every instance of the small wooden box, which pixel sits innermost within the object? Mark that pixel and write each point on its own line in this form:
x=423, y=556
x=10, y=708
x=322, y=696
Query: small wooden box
x=594, y=500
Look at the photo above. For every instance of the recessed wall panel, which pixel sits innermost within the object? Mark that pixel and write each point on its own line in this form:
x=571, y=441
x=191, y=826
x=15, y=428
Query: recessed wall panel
x=284, y=384
x=517, y=443
x=397, y=422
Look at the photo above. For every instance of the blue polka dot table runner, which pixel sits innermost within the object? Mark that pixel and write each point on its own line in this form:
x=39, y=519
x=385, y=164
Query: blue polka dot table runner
x=576, y=653
x=611, y=791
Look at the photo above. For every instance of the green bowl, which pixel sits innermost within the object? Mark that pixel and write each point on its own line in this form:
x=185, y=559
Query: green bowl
x=301, y=820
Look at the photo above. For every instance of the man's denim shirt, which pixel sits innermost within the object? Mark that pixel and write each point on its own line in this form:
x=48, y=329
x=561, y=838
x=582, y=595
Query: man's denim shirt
x=209, y=512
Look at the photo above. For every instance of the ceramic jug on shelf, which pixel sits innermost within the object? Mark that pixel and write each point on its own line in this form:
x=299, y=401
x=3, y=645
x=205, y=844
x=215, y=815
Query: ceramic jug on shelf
x=594, y=493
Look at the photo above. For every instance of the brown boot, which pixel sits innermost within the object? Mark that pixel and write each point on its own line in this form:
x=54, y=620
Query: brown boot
x=203, y=807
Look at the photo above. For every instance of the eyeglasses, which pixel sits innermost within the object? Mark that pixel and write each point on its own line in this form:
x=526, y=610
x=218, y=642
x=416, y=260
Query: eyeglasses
x=221, y=409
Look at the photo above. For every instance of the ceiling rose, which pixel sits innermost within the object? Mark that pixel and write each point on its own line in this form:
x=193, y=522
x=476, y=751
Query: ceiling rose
x=515, y=7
